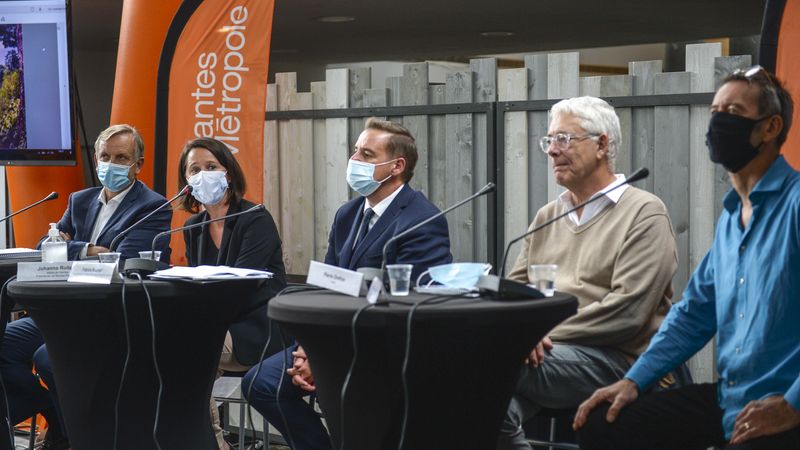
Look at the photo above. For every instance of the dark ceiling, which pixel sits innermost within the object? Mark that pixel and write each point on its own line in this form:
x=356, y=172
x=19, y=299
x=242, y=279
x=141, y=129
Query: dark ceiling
x=431, y=29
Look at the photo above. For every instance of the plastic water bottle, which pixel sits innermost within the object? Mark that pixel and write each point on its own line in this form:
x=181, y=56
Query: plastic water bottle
x=54, y=249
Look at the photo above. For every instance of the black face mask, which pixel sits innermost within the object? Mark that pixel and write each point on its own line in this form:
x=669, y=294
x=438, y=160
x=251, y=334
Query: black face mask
x=728, y=140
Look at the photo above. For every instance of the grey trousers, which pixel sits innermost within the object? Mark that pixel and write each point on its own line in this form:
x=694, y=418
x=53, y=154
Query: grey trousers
x=568, y=375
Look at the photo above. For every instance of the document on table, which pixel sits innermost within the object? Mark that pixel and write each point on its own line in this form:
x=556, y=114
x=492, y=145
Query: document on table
x=208, y=273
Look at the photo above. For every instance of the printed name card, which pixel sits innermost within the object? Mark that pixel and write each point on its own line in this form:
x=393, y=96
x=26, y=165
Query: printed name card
x=92, y=272
x=41, y=271
x=335, y=278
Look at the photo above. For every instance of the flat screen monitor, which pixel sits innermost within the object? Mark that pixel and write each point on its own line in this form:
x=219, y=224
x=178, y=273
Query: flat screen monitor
x=36, y=126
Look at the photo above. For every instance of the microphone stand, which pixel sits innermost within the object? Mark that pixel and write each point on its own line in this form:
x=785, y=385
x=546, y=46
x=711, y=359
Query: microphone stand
x=51, y=196
x=510, y=290
x=490, y=187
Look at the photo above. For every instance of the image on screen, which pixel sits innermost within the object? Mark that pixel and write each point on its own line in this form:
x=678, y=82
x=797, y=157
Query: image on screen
x=36, y=125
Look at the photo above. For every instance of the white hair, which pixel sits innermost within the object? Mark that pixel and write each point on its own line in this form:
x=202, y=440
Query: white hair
x=594, y=116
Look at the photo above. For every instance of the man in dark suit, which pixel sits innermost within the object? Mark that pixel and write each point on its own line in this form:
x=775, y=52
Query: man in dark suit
x=379, y=170
x=94, y=217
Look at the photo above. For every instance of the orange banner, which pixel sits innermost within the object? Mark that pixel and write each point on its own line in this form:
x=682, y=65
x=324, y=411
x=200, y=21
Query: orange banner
x=217, y=88
x=788, y=69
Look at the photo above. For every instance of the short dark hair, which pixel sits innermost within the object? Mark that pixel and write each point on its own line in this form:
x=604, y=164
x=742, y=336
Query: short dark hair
x=401, y=144
x=237, y=185
x=773, y=98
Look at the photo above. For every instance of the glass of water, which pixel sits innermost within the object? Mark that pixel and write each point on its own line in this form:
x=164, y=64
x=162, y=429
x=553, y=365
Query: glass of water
x=399, y=278
x=543, y=278
x=109, y=257
x=155, y=255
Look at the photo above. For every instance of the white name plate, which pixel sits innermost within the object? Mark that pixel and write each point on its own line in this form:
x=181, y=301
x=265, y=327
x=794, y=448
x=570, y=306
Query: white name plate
x=335, y=278
x=41, y=271
x=92, y=272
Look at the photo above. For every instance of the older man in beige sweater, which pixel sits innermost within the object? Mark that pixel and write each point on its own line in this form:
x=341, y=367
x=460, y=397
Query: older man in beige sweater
x=616, y=255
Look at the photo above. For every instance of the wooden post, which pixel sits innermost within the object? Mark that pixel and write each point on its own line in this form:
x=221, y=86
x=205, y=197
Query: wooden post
x=458, y=167
x=562, y=82
x=322, y=210
x=538, y=167
x=414, y=91
x=484, y=72
x=642, y=120
x=512, y=85
x=272, y=165
x=437, y=173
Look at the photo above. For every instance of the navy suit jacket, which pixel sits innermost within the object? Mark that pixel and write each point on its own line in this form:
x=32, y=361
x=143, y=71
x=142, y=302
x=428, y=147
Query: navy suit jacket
x=83, y=208
x=425, y=247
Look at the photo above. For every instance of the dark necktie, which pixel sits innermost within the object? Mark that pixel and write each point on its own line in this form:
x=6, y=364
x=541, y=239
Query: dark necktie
x=364, y=227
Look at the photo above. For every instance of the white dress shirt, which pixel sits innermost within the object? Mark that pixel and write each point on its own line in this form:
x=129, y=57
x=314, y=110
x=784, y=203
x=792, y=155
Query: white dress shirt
x=381, y=207
x=106, y=211
x=595, y=207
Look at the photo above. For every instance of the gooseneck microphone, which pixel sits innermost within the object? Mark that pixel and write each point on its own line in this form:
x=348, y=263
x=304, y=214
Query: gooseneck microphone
x=490, y=187
x=259, y=207
x=51, y=196
x=635, y=176
x=185, y=191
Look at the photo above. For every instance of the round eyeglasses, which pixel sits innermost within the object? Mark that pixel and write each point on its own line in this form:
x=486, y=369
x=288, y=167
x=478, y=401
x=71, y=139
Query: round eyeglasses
x=562, y=140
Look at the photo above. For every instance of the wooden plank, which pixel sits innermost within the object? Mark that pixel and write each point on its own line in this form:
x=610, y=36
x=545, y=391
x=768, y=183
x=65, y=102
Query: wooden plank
x=512, y=85
x=724, y=66
x=562, y=82
x=414, y=91
x=393, y=86
x=538, y=165
x=360, y=80
x=297, y=171
x=322, y=213
x=336, y=192
x=437, y=152
x=700, y=62
x=671, y=165
x=376, y=97
x=484, y=72
x=272, y=190
x=458, y=166
x=642, y=119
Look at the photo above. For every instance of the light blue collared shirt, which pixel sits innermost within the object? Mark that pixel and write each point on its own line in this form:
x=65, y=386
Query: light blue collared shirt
x=746, y=293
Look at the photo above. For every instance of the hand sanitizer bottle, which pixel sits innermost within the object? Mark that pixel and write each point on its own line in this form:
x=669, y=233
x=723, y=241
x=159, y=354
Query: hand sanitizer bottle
x=54, y=249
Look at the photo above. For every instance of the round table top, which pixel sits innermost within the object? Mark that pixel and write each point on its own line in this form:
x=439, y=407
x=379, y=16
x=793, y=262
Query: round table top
x=325, y=307
x=157, y=288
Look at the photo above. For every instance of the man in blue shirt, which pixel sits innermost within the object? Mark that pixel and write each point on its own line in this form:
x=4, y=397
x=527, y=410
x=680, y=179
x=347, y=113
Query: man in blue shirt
x=745, y=293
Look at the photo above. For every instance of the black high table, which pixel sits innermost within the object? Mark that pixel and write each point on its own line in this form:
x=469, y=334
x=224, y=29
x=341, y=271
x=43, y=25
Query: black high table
x=83, y=328
x=464, y=362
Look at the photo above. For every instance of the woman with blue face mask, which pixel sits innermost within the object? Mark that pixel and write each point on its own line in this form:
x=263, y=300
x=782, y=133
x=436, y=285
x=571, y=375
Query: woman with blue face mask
x=248, y=241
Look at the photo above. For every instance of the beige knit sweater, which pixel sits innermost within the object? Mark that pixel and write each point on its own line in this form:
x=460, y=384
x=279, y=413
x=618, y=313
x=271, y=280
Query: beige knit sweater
x=619, y=265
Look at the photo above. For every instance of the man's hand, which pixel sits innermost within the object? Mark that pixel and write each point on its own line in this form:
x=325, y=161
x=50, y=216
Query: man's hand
x=95, y=250
x=619, y=394
x=537, y=354
x=301, y=371
x=766, y=417
x=65, y=236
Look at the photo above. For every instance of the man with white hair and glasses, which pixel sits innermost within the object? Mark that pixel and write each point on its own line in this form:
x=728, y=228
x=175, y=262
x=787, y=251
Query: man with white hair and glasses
x=617, y=256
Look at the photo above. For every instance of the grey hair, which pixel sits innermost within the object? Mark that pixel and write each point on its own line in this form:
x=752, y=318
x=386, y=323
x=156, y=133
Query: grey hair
x=595, y=116
x=113, y=130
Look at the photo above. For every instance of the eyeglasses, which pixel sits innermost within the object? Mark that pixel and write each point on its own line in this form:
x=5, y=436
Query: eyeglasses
x=562, y=140
x=763, y=78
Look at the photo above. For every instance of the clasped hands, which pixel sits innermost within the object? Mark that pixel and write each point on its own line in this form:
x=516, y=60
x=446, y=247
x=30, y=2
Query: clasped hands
x=301, y=371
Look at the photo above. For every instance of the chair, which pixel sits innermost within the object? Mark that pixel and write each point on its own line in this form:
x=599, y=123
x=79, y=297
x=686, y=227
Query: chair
x=243, y=410
x=677, y=378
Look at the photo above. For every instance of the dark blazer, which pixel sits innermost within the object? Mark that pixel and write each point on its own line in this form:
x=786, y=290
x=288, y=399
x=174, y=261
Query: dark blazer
x=83, y=208
x=427, y=246
x=249, y=241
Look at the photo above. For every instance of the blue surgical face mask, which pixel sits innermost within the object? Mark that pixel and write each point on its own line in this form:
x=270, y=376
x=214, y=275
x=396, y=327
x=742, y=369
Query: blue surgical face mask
x=113, y=176
x=209, y=186
x=360, y=176
x=457, y=275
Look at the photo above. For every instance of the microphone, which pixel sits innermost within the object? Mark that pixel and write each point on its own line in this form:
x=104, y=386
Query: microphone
x=511, y=289
x=144, y=266
x=258, y=207
x=185, y=191
x=51, y=196
x=490, y=187
x=640, y=174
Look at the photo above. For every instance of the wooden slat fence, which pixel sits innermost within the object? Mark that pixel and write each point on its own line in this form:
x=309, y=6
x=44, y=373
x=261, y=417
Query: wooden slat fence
x=462, y=147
